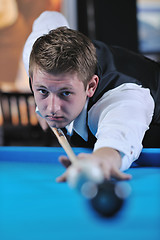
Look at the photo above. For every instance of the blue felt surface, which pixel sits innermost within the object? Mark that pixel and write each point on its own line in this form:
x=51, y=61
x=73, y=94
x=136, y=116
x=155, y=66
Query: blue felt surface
x=34, y=206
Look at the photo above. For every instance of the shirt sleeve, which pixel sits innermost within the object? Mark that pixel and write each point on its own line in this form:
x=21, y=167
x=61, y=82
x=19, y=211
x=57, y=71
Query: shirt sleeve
x=120, y=119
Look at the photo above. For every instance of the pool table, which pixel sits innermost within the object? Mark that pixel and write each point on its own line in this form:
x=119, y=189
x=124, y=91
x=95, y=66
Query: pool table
x=34, y=207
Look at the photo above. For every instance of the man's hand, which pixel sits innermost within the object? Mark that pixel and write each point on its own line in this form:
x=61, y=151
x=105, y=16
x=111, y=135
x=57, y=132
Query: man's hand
x=107, y=159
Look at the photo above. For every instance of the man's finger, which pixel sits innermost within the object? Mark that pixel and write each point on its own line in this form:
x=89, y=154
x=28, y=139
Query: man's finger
x=64, y=161
x=62, y=178
x=120, y=175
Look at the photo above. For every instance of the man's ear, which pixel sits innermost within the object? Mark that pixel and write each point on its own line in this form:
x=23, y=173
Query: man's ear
x=92, y=85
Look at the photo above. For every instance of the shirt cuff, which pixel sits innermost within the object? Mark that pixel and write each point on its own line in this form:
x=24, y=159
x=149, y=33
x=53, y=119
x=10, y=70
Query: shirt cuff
x=128, y=153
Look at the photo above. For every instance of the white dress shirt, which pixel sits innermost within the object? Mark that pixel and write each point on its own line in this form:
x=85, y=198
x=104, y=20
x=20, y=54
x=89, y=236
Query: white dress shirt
x=118, y=120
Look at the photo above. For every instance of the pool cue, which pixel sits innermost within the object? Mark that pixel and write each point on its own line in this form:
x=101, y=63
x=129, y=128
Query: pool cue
x=65, y=144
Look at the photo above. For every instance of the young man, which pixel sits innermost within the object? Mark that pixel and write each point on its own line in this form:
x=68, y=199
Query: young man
x=106, y=95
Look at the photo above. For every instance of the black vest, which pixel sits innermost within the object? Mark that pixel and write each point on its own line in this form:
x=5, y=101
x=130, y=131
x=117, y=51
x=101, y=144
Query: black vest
x=116, y=66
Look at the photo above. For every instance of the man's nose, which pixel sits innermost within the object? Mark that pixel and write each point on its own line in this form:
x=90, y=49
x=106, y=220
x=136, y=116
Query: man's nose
x=54, y=104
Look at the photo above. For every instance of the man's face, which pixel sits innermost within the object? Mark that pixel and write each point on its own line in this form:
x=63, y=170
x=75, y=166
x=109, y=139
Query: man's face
x=60, y=98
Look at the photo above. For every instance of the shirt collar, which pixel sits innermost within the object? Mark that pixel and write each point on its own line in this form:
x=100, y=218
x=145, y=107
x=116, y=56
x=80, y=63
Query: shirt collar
x=38, y=112
x=79, y=124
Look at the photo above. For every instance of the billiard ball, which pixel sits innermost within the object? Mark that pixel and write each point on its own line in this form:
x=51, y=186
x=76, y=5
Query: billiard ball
x=106, y=201
x=106, y=197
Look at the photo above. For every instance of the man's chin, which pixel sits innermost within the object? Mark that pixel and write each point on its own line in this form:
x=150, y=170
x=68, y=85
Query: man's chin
x=56, y=125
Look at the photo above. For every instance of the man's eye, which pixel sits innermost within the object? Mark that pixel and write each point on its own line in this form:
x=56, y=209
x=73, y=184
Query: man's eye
x=43, y=92
x=66, y=94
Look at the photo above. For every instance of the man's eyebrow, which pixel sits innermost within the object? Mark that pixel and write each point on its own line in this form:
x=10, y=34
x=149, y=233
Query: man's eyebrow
x=40, y=86
x=66, y=88
x=59, y=89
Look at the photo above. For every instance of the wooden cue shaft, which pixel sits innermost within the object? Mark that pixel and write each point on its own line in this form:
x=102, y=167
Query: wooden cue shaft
x=65, y=144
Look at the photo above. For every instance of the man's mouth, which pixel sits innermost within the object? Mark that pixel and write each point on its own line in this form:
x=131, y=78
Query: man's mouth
x=54, y=118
